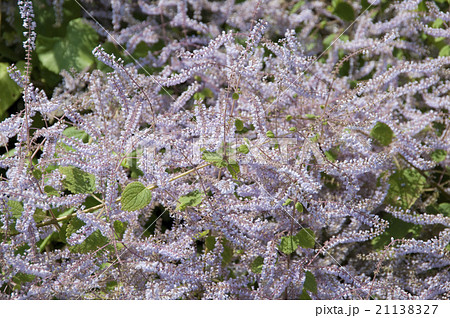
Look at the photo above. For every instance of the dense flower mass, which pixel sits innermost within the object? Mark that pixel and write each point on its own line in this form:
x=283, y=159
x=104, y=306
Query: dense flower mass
x=231, y=150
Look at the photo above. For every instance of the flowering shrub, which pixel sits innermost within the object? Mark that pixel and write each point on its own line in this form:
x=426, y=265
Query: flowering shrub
x=227, y=150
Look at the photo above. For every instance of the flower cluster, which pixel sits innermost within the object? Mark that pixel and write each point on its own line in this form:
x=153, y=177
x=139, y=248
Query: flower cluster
x=256, y=151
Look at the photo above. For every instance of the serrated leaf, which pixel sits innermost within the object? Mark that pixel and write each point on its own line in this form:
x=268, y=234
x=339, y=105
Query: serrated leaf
x=16, y=208
x=438, y=155
x=383, y=133
x=193, y=198
x=77, y=180
x=310, y=282
x=406, y=186
x=306, y=238
x=257, y=264
x=135, y=196
x=288, y=244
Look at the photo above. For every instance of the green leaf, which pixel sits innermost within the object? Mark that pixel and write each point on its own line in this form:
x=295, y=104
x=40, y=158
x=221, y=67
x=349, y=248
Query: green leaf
x=74, y=50
x=16, y=208
x=437, y=23
x=92, y=243
x=444, y=208
x=77, y=133
x=397, y=229
x=234, y=170
x=205, y=93
x=235, y=96
x=135, y=196
x=53, y=236
x=77, y=180
x=243, y=149
x=310, y=282
x=287, y=202
x=51, y=191
x=383, y=133
x=37, y=174
x=21, y=278
x=306, y=238
x=215, y=158
x=270, y=134
x=257, y=264
x=239, y=124
x=311, y=116
x=331, y=155
x=9, y=91
x=111, y=285
x=438, y=155
x=227, y=254
x=344, y=11
x=329, y=39
x=304, y=295
x=297, y=6
x=210, y=243
x=406, y=186
x=445, y=51
x=201, y=234
x=39, y=215
x=288, y=117
x=299, y=207
x=119, y=228
x=288, y=244
x=193, y=198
